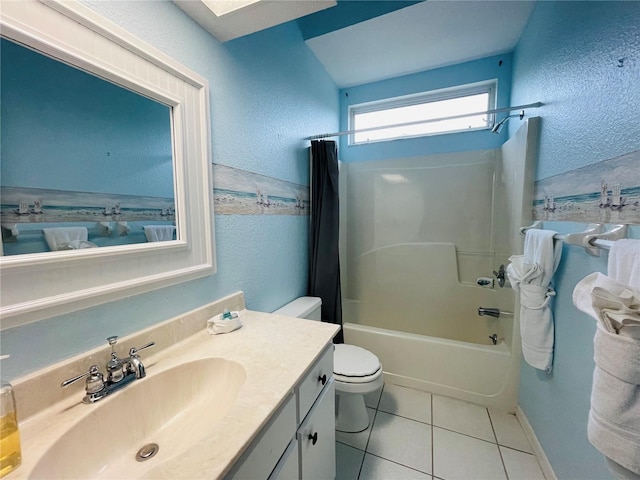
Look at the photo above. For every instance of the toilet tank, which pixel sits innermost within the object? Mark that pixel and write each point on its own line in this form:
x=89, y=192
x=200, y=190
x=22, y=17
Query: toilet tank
x=303, y=307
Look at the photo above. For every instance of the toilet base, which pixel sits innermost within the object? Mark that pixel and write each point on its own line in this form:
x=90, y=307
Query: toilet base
x=351, y=413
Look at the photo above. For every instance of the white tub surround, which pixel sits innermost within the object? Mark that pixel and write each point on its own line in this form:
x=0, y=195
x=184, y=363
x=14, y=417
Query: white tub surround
x=274, y=351
x=418, y=235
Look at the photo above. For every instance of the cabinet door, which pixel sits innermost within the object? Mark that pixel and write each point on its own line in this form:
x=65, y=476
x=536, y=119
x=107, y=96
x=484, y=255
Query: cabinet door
x=287, y=468
x=317, y=438
x=262, y=455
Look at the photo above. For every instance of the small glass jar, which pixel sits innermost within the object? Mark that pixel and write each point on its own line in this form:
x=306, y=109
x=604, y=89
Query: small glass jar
x=10, y=453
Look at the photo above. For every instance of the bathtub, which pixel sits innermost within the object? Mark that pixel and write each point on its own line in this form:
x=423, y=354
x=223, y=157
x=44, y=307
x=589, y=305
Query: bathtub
x=484, y=374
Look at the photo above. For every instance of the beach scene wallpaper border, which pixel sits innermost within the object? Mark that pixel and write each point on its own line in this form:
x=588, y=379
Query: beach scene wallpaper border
x=240, y=192
x=235, y=191
x=39, y=205
x=603, y=192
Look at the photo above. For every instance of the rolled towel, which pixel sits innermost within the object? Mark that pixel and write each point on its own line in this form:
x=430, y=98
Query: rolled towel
x=530, y=276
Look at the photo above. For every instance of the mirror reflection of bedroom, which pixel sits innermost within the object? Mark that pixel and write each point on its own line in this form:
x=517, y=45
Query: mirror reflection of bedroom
x=85, y=163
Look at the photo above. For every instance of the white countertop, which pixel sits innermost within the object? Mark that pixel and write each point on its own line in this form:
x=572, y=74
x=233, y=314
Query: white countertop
x=275, y=352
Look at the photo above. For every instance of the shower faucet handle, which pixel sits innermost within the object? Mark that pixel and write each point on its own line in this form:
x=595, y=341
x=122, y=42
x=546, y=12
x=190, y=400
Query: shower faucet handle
x=501, y=276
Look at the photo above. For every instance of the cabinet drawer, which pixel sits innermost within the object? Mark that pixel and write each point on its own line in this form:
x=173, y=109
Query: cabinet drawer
x=317, y=439
x=314, y=381
x=263, y=454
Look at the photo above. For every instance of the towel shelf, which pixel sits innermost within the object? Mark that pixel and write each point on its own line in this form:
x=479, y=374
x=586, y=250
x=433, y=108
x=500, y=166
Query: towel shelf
x=592, y=239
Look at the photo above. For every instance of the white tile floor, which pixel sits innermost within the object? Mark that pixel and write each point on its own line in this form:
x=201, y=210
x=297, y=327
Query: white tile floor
x=417, y=435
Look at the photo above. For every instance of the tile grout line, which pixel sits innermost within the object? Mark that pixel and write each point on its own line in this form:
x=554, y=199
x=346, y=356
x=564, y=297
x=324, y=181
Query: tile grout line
x=366, y=445
x=401, y=464
x=504, y=467
x=466, y=435
x=407, y=418
x=433, y=456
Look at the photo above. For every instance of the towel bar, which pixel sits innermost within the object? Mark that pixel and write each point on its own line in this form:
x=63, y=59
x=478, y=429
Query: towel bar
x=592, y=239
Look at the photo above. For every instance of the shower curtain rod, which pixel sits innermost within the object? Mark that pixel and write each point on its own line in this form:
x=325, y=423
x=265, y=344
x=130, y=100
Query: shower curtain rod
x=418, y=122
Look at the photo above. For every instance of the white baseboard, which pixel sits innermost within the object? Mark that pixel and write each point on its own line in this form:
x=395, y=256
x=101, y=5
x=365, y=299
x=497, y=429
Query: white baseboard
x=547, y=470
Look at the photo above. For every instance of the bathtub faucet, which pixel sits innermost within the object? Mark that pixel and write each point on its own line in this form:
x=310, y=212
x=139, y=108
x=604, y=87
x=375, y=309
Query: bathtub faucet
x=491, y=312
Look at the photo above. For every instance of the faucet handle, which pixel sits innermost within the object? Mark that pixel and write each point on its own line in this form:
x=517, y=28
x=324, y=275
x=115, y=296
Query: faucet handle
x=95, y=382
x=134, y=351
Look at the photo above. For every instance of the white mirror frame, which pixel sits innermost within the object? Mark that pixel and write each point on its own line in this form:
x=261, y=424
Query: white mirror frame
x=42, y=285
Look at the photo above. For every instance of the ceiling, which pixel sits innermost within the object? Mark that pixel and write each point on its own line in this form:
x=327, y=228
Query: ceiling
x=419, y=37
x=363, y=41
x=230, y=19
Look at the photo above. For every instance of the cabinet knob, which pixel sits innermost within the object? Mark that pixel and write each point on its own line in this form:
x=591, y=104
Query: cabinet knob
x=323, y=379
x=313, y=438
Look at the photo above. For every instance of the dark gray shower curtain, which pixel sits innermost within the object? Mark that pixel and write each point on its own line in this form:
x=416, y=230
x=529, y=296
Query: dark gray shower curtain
x=324, y=261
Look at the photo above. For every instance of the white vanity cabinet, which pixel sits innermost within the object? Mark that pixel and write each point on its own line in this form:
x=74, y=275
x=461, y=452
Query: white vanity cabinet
x=299, y=440
x=317, y=438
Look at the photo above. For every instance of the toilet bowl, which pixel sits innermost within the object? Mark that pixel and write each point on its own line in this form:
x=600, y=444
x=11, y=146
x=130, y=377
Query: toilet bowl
x=356, y=371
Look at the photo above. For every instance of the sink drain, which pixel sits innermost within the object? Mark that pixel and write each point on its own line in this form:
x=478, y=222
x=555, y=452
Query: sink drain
x=147, y=452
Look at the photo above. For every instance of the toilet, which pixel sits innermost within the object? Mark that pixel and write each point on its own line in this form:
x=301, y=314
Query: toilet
x=356, y=371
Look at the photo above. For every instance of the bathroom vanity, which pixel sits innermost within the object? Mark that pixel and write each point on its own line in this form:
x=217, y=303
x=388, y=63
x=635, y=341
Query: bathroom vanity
x=299, y=441
x=254, y=403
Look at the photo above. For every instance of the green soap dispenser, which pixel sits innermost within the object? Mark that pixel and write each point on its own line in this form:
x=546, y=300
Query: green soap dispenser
x=10, y=453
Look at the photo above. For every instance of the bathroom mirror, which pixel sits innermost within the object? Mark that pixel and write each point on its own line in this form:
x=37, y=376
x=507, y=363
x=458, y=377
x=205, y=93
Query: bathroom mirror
x=79, y=154
x=41, y=285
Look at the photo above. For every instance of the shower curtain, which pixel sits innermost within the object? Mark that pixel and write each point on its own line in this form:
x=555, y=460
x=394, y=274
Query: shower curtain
x=324, y=262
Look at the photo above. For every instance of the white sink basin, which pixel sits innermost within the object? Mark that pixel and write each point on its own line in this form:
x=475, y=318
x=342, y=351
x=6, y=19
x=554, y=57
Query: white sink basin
x=174, y=409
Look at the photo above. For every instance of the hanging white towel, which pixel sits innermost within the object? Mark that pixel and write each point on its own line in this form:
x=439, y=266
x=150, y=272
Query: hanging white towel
x=159, y=233
x=614, y=417
x=67, y=238
x=530, y=276
x=624, y=262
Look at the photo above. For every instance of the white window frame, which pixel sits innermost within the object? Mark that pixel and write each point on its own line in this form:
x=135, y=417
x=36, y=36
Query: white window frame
x=487, y=86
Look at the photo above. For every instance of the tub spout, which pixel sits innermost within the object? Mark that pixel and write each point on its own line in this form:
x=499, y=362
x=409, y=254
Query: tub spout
x=491, y=312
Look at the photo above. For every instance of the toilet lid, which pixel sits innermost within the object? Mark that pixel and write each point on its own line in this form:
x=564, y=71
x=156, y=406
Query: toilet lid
x=352, y=361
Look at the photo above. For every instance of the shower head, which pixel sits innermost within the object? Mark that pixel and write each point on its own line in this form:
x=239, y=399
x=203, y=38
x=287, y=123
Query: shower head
x=497, y=128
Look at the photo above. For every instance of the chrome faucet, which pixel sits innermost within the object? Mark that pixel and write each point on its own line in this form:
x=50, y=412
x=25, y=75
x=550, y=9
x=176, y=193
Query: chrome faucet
x=491, y=312
x=501, y=276
x=134, y=364
x=120, y=372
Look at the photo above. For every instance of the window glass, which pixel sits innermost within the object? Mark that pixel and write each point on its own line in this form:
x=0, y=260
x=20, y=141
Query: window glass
x=427, y=106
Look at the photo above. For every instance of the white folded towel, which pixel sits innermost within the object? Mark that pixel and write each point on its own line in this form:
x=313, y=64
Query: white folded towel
x=615, y=305
x=67, y=238
x=624, y=262
x=614, y=418
x=530, y=276
x=224, y=324
x=159, y=233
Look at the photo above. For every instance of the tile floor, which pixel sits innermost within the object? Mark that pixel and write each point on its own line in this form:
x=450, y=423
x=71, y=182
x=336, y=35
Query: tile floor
x=417, y=435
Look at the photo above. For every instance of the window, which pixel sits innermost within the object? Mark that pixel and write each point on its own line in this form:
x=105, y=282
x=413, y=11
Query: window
x=478, y=97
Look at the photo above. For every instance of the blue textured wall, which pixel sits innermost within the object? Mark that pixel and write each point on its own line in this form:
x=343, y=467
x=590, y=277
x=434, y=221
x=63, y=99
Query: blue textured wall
x=64, y=129
x=470, y=72
x=268, y=93
x=567, y=58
